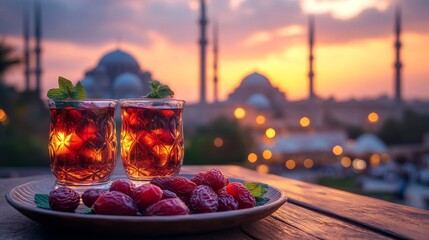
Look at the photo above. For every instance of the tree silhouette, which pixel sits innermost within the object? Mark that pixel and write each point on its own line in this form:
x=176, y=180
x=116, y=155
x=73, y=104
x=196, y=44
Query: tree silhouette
x=236, y=143
x=409, y=130
x=7, y=59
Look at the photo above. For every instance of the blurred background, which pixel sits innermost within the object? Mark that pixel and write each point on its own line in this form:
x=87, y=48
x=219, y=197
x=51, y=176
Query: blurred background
x=333, y=92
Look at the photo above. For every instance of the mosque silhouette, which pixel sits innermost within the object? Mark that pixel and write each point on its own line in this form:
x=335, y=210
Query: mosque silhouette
x=117, y=75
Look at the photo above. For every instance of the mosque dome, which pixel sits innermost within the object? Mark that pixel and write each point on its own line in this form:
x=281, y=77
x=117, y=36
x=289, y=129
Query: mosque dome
x=259, y=100
x=127, y=79
x=89, y=84
x=118, y=57
x=128, y=85
x=368, y=143
x=100, y=69
x=256, y=80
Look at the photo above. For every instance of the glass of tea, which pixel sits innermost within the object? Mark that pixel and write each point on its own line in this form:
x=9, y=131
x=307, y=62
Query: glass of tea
x=82, y=141
x=151, y=137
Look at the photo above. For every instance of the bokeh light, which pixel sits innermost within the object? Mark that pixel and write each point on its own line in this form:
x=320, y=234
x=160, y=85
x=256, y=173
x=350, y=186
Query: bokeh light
x=252, y=157
x=263, y=168
x=239, y=113
x=337, y=150
x=260, y=119
x=304, y=122
x=3, y=116
x=267, y=154
x=346, y=162
x=290, y=164
x=270, y=133
x=308, y=163
x=385, y=157
x=218, y=142
x=373, y=117
x=359, y=164
x=375, y=160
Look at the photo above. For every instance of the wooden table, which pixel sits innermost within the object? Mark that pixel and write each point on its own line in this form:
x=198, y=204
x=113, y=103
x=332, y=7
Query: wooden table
x=312, y=212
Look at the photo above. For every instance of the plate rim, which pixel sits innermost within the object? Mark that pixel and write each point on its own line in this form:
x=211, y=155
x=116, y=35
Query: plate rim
x=190, y=217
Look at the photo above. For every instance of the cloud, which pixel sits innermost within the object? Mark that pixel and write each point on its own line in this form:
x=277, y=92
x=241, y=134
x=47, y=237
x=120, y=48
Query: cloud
x=95, y=22
x=291, y=30
x=258, y=37
x=252, y=28
x=265, y=36
x=268, y=35
x=342, y=9
x=194, y=5
x=235, y=4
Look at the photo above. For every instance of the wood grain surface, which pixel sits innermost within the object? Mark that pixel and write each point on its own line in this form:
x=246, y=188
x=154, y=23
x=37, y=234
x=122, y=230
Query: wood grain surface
x=314, y=212
x=392, y=219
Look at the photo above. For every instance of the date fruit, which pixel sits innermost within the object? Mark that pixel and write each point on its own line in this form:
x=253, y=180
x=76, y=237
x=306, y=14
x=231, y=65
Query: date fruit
x=115, y=203
x=203, y=200
x=167, y=207
x=226, y=202
x=168, y=194
x=240, y=193
x=212, y=178
x=146, y=195
x=64, y=199
x=123, y=186
x=181, y=186
x=91, y=195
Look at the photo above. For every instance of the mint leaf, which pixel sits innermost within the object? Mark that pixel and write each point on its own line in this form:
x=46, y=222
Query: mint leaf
x=66, y=90
x=65, y=84
x=257, y=189
x=56, y=93
x=154, y=85
x=42, y=200
x=159, y=90
x=87, y=211
x=152, y=95
x=261, y=201
x=165, y=91
x=78, y=91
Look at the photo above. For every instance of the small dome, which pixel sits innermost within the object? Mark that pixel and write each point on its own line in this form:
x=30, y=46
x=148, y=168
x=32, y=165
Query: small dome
x=369, y=143
x=256, y=80
x=259, y=100
x=118, y=57
x=128, y=85
x=127, y=80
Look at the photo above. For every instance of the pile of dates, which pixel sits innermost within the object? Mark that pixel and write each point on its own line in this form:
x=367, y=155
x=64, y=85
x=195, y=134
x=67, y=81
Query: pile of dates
x=205, y=192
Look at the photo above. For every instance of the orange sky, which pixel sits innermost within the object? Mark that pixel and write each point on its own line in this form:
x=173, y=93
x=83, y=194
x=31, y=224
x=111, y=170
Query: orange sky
x=356, y=69
x=359, y=68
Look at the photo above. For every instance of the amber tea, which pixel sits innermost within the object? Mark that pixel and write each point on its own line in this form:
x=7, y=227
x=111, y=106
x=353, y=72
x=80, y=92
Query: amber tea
x=151, y=137
x=82, y=141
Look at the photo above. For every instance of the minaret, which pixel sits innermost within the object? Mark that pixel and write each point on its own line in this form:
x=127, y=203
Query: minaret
x=26, y=32
x=311, y=57
x=398, y=64
x=203, y=44
x=215, y=62
x=37, y=50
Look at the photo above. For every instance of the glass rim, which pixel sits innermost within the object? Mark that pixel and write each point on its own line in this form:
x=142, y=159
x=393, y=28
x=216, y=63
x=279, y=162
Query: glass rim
x=122, y=100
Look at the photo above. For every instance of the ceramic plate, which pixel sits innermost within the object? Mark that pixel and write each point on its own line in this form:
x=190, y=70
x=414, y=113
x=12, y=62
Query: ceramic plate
x=22, y=198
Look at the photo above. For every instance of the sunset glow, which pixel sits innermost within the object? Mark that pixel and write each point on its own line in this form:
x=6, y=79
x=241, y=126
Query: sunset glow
x=343, y=9
x=360, y=67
